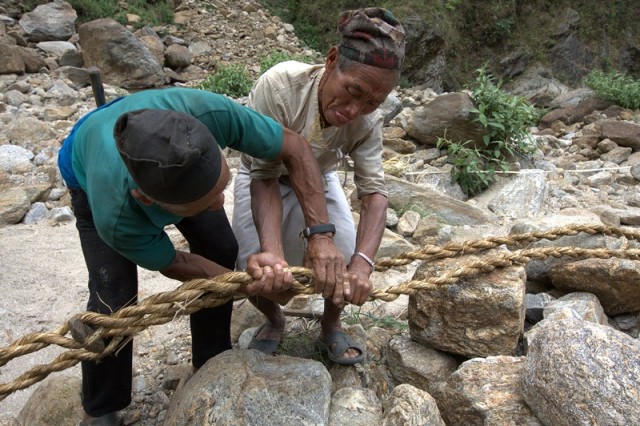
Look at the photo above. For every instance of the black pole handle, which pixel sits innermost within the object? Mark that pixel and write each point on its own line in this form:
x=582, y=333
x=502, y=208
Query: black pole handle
x=96, y=86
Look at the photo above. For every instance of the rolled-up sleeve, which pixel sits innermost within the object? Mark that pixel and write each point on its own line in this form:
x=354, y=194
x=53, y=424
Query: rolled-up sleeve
x=366, y=154
x=265, y=98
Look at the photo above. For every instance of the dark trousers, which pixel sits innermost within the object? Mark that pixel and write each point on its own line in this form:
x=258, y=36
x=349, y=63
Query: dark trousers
x=113, y=284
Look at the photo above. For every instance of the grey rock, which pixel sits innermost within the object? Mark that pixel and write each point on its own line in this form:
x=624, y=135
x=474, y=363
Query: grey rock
x=522, y=196
x=56, y=401
x=415, y=364
x=177, y=56
x=249, y=387
x=491, y=322
x=122, y=58
x=615, y=282
x=14, y=204
x=582, y=373
x=410, y=406
x=447, y=116
x=403, y=195
x=51, y=21
x=56, y=48
x=61, y=214
x=355, y=406
x=487, y=391
x=36, y=213
x=534, y=308
x=15, y=159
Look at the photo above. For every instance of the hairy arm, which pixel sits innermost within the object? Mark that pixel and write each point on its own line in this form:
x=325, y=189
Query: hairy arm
x=304, y=174
x=268, y=272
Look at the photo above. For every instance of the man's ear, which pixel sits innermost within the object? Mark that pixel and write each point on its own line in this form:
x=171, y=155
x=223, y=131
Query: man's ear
x=139, y=195
x=332, y=58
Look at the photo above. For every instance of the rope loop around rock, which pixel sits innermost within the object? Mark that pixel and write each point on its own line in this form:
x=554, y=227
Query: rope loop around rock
x=193, y=295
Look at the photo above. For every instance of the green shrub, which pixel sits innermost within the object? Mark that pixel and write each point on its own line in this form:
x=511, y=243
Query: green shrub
x=152, y=13
x=615, y=87
x=506, y=120
x=89, y=10
x=277, y=56
x=472, y=169
x=231, y=80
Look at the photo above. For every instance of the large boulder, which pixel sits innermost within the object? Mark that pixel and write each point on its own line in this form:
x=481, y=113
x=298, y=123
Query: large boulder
x=581, y=373
x=122, y=58
x=427, y=61
x=447, y=116
x=51, y=21
x=249, y=387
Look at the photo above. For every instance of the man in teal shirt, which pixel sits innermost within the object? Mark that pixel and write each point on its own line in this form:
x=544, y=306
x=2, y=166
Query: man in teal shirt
x=152, y=159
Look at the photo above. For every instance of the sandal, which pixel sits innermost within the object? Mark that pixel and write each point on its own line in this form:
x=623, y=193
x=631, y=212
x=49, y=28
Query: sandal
x=266, y=346
x=337, y=343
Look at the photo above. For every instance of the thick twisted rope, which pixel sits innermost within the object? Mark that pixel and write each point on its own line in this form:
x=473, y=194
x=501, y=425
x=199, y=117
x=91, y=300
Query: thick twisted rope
x=194, y=295
x=449, y=250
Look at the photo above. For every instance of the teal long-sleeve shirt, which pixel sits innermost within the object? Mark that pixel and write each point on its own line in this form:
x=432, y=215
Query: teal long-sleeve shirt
x=90, y=160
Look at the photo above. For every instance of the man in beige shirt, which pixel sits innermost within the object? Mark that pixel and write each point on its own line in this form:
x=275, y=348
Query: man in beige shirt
x=335, y=107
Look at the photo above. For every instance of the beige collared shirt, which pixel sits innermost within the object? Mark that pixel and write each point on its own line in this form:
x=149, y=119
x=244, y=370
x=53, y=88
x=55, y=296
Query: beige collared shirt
x=288, y=92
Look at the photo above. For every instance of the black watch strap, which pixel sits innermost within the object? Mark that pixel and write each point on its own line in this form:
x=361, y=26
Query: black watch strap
x=318, y=229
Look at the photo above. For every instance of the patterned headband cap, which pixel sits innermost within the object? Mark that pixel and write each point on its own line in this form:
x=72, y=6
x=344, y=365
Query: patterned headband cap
x=372, y=36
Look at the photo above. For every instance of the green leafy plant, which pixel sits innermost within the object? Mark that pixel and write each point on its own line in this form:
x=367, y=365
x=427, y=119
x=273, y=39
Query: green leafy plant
x=230, y=79
x=152, y=13
x=368, y=320
x=506, y=120
x=451, y=4
x=472, y=169
x=615, y=87
x=277, y=56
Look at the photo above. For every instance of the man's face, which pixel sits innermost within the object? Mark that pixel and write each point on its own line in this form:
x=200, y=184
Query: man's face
x=213, y=200
x=359, y=90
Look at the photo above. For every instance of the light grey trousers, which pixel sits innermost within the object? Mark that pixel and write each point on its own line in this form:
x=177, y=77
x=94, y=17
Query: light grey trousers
x=292, y=220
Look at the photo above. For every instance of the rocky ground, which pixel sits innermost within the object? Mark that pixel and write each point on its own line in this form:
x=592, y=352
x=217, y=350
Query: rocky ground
x=41, y=268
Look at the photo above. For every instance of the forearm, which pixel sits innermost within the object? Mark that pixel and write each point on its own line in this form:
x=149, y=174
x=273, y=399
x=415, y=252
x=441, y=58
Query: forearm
x=305, y=177
x=266, y=208
x=373, y=217
x=188, y=266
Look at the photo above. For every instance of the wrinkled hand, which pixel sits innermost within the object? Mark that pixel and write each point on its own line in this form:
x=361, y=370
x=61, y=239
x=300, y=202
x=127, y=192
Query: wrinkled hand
x=269, y=274
x=360, y=284
x=328, y=268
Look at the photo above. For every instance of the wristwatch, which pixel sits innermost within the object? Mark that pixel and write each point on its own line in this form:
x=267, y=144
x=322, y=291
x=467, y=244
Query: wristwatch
x=318, y=229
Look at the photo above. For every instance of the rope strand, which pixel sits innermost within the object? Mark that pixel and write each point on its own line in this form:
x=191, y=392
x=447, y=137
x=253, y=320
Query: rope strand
x=193, y=295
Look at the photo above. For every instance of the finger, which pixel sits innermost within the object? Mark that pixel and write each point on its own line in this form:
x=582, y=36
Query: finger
x=338, y=294
x=253, y=287
x=354, y=284
x=253, y=268
x=357, y=297
x=340, y=278
x=346, y=280
x=330, y=282
x=334, y=278
x=363, y=292
x=278, y=279
x=320, y=276
x=349, y=288
x=267, y=279
x=288, y=280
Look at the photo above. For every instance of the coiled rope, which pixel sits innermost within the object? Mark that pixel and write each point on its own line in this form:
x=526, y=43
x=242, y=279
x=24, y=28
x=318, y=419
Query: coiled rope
x=194, y=295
